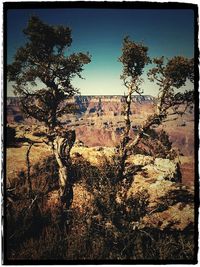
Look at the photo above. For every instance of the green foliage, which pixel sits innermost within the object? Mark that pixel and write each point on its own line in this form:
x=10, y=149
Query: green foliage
x=169, y=75
x=105, y=229
x=178, y=70
x=172, y=72
x=134, y=58
x=43, y=60
x=45, y=38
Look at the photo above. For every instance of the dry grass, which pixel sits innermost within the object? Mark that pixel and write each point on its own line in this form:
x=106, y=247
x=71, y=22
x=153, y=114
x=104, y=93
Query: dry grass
x=16, y=158
x=89, y=235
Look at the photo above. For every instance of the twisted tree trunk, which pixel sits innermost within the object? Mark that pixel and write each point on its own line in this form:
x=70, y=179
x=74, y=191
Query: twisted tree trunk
x=127, y=144
x=61, y=148
x=156, y=118
x=125, y=139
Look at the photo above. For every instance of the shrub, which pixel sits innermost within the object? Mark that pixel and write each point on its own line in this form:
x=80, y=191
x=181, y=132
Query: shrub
x=27, y=213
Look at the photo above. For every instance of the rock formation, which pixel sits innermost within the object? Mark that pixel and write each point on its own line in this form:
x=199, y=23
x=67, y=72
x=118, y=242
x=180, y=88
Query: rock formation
x=170, y=203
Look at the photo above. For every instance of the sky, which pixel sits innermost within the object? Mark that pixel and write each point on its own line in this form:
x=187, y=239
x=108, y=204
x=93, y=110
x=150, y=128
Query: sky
x=167, y=32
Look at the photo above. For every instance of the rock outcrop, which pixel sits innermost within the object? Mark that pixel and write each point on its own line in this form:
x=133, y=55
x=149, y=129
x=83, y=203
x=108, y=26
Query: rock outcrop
x=170, y=203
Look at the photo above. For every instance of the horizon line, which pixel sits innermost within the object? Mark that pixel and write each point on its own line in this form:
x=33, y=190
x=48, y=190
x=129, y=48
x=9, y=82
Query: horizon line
x=94, y=95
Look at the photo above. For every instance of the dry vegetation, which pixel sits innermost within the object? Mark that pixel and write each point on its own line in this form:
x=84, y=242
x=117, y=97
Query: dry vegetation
x=73, y=202
x=103, y=223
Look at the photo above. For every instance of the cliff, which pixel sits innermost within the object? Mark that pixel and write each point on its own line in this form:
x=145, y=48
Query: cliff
x=99, y=122
x=101, y=105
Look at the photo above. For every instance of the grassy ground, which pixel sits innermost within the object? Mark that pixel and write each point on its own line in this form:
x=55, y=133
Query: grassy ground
x=16, y=158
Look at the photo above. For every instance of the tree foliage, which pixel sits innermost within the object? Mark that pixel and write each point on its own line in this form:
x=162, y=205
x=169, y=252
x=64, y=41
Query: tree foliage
x=134, y=58
x=170, y=76
x=44, y=61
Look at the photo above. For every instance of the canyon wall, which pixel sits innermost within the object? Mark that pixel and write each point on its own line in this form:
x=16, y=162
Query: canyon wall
x=99, y=120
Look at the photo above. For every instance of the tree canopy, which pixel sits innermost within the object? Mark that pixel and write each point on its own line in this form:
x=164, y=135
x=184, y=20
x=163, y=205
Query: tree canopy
x=170, y=75
x=134, y=58
x=44, y=61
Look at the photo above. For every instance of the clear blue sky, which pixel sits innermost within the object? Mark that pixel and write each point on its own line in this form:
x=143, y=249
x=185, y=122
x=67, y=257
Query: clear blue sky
x=167, y=32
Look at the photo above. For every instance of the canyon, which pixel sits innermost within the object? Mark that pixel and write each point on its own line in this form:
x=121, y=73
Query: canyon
x=99, y=122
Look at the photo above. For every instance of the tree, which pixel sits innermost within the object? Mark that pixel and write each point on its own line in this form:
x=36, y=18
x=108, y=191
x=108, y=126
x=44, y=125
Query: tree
x=169, y=75
x=43, y=62
x=134, y=58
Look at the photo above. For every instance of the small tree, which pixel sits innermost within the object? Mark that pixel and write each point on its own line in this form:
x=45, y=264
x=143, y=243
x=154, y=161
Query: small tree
x=169, y=75
x=134, y=58
x=44, y=60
